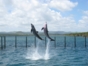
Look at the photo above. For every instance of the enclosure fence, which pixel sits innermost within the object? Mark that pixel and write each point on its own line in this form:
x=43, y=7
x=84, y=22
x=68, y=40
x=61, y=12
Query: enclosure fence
x=3, y=41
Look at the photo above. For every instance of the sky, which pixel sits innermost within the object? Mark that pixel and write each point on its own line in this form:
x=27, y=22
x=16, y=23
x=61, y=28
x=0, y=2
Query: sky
x=60, y=15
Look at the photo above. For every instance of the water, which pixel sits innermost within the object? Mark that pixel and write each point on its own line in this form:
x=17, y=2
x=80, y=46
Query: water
x=44, y=56
x=35, y=54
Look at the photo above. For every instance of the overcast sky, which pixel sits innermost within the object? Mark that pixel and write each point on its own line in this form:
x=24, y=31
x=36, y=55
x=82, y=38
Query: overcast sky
x=60, y=15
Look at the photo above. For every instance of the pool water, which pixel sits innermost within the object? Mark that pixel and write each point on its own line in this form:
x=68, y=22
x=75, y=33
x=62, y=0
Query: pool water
x=44, y=56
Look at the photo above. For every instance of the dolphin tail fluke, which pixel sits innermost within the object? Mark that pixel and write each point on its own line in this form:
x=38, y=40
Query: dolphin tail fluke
x=40, y=38
x=52, y=40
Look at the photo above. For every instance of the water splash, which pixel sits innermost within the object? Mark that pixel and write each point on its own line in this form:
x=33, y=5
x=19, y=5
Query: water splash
x=34, y=53
x=46, y=57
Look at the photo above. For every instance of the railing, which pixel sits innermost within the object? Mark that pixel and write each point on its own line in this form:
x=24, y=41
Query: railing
x=3, y=42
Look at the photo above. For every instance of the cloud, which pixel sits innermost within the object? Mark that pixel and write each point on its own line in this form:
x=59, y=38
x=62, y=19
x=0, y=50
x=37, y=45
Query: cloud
x=8, y=5
x=62, y=5
x=83, y=23
x=25, y=12
x=86, y=12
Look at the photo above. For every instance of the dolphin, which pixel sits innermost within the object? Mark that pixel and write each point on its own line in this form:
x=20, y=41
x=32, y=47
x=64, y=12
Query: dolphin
x=46, y=32
x=35, y=32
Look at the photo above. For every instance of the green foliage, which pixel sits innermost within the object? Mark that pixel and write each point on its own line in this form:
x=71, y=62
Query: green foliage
x=78, y=34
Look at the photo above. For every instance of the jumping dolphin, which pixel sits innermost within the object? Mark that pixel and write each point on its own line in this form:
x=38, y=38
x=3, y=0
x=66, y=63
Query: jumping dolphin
x=35, y=32
x=46, y=32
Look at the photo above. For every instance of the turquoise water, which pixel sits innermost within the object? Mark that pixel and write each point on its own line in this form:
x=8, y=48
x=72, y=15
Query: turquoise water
x=59, y=56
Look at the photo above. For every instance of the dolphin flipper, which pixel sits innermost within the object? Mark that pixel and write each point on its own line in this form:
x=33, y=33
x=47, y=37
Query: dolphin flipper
x=42, y=28
x=37, y=31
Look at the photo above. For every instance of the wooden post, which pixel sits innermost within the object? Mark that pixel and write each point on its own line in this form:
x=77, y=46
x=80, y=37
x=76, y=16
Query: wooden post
x=65, y=42
x=74, y=41
x=15, y=41
x=45, y=41
x=4, y=42
x=55, y=42
x=1, y=42
x=35, y=42
x=26, y=41
x=85, y=41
